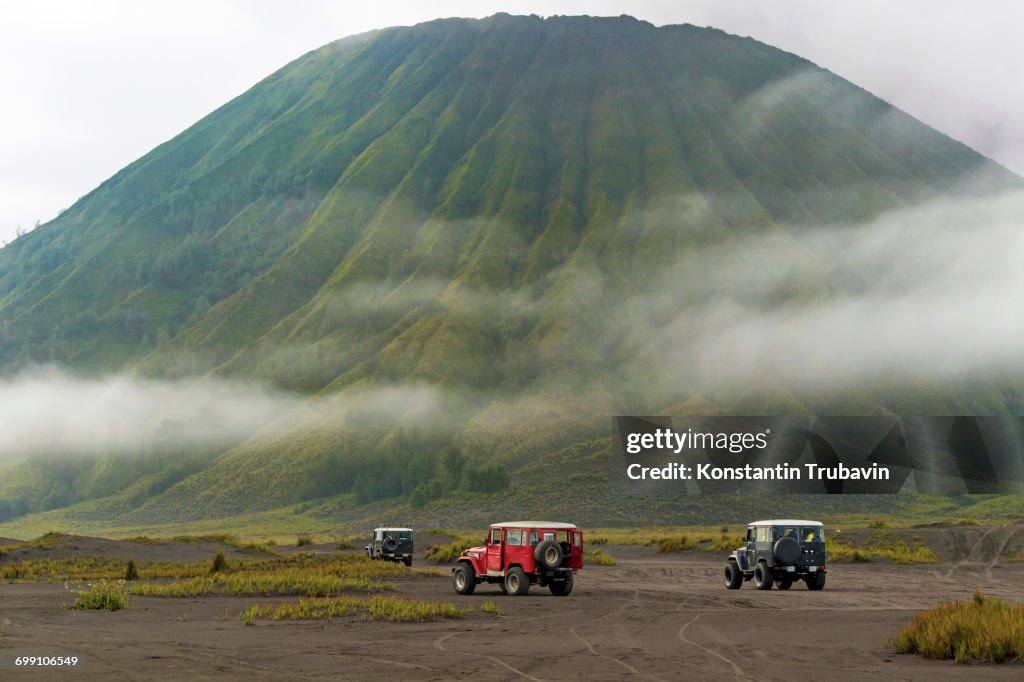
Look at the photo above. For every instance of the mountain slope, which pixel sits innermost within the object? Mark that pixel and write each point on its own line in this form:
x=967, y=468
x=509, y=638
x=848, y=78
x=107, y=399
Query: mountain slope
x=494, y=208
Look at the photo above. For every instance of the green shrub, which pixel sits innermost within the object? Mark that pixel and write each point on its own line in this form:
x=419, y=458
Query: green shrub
x=220, y=564
x=104, y=595
x=303, y=541
x=878, y=523
x=985, y=628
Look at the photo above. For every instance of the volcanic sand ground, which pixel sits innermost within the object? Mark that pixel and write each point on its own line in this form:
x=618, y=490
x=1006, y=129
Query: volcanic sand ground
x=652, y=616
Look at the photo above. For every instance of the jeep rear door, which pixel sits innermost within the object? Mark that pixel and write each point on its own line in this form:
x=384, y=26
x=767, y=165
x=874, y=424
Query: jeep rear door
x=576, y=558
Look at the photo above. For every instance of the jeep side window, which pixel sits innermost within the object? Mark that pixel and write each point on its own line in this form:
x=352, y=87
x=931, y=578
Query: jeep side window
x=763, y=534
x=495, y=536
x=549, y=536
x=533, y=538
x=514, y=538
x=576, y=539
x=750, y=534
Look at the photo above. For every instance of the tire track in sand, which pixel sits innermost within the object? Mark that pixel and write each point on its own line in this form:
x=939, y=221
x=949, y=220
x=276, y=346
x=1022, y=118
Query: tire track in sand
x=439, y=645
x=635, y=601
x=737, y=671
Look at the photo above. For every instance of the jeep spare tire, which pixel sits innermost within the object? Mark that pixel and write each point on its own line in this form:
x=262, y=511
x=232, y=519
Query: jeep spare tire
x=549, y=554
x=390, y=544
x=787, y=550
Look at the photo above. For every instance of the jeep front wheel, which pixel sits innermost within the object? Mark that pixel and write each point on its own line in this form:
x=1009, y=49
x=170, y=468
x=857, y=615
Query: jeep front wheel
x=562, y=589
x=762, y=577
x=464, y=578
x=516, y=582
x=733, y=576
x=816, y=581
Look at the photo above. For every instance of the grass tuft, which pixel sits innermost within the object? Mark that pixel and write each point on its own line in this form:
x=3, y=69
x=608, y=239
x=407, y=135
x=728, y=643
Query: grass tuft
x=130, y=570
x=104, y=595
x=983, y=629
x=597, y=557
x=491, y=607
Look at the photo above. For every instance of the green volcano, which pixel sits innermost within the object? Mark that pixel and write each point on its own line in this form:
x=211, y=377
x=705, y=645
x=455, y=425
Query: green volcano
x=508, y=213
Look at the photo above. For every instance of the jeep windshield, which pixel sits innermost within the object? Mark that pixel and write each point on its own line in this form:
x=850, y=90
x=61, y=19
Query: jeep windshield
x=803, y=534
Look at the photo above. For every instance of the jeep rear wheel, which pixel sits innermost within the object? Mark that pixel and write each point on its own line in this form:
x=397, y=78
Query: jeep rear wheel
x=762, y=577
x=516, y=582
x=815, y=582
x=549, y=554
x=464, y=578
x=733, y=576
x=785, y=582
x=562, y=589
x=408, y=561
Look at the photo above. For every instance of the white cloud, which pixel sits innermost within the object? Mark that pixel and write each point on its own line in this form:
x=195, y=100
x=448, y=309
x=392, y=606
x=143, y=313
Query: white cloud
x=46, y=410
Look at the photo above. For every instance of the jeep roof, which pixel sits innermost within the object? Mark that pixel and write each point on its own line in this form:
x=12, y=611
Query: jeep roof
x=785, y=522
x=535, y=524
x=392, y=528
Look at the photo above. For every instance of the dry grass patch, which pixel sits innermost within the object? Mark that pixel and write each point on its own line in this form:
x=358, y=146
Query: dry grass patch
x=93, y=568
x=395, y=609
x=983, y=629
x=284, y=582
x=881, y=547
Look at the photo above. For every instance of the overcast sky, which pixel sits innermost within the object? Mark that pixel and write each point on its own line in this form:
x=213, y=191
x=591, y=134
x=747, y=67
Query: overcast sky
x=89, y=86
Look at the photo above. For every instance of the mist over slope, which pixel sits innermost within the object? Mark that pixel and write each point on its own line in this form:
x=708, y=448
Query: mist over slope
x=539, y=223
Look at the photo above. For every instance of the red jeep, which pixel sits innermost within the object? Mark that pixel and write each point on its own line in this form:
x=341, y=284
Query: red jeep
x=518, y=553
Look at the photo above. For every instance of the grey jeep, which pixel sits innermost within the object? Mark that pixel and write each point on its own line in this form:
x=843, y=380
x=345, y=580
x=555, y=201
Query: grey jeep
x=391, y=544
x=779, y=552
